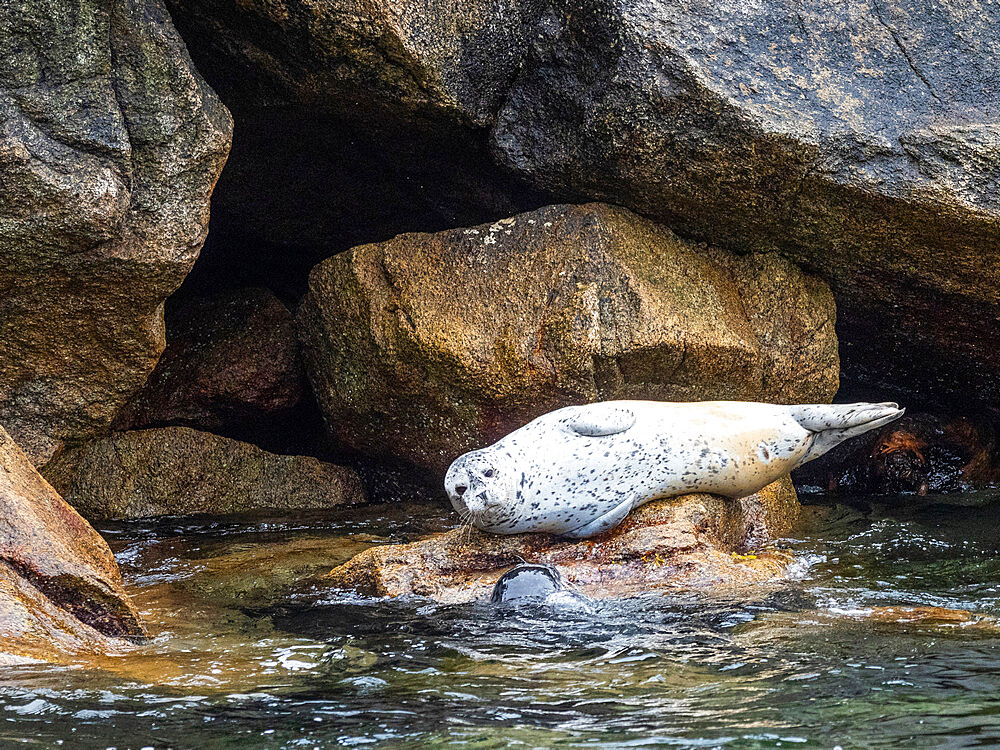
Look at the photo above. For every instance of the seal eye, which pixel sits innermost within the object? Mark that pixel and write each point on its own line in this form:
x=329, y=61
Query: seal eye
x=460, y=489
x=488, y=473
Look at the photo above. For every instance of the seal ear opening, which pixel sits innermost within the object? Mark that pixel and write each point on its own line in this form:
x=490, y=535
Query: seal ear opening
x=598, y=420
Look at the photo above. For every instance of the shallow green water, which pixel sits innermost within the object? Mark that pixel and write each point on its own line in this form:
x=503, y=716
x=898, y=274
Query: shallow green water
x=251, y=652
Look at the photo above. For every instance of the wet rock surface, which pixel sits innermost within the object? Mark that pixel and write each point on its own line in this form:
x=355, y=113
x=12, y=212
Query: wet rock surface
x=231, y=365
x=60, y=589
x=427, y=346
x=693, y=541
x=180, y=471
x=921, y=453
x=110, y=144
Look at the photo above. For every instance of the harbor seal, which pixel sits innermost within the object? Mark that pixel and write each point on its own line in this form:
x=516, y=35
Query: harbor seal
x=532, y=583
x=578, y=471
x=527, y=581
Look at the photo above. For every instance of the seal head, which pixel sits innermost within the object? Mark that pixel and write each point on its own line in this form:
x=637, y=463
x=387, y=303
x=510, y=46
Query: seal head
x=527, y=582
x=479, y=485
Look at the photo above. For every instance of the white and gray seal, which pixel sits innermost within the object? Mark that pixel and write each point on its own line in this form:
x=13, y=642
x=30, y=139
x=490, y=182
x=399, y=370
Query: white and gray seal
x=578, y=471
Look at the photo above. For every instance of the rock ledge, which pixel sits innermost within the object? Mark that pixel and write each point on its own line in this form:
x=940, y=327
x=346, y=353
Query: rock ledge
x=690, y=541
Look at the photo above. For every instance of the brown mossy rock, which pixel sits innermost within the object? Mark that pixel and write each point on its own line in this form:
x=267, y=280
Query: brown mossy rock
x=110, y=144
x=429, y=345
x=232, y=360
x=180, y=471
x=893, y=619
x=61, y=591
x=692, y=541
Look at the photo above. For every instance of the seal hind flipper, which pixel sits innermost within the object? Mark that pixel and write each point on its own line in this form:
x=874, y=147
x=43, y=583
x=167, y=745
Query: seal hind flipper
x=832, y=424
x=600, y=420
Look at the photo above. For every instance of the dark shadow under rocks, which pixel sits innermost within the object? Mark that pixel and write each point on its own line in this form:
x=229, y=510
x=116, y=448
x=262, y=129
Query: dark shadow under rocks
x=302, y=184
x=920, y=454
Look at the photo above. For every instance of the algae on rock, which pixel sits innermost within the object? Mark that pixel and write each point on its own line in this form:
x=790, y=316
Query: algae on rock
x=691, y=541
x=180, y=471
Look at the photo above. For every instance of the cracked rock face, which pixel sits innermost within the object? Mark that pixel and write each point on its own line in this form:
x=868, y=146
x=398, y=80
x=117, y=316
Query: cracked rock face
x=860, y=139
x=110, y=144
x=691, y=541
x=60, y=589
x=430, y=345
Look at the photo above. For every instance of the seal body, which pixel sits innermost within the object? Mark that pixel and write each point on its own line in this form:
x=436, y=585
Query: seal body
x=578, y=471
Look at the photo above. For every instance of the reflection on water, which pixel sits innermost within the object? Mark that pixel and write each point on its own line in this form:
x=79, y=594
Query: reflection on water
x=251, y=650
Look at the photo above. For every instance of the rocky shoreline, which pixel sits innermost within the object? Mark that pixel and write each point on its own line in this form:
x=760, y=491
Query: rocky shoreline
x=430, y=225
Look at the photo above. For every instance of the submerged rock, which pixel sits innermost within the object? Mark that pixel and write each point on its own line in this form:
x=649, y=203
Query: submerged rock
x=941, y=621
x=110, y=144
x=231, y=364
x=60, y=589
x=180, y=471
x=920, y=453
x=691, y=541
x=426, y=346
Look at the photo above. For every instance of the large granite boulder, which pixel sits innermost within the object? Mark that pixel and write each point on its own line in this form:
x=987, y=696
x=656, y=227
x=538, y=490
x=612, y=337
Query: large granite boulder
x=860, y=139
x=231, y=364
x=60, y=589
x=692, y=541
x=426, y=346
x=179, y=471
x=110, y=144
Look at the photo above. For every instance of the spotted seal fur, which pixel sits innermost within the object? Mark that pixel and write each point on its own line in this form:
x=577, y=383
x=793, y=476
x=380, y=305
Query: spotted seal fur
x=578, y=471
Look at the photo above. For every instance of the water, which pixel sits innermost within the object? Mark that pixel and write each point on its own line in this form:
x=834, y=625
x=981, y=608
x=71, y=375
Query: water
x=252, y=651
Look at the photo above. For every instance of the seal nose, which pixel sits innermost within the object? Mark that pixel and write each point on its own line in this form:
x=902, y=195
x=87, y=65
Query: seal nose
x=460, y=489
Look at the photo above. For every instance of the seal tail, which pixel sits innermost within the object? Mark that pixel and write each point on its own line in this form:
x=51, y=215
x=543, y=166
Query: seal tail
x=832, y=424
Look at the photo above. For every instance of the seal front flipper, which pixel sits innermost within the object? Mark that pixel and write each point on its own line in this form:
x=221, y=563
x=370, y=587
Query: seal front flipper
x=600, y=420
x=832, y=424
x=602, y=523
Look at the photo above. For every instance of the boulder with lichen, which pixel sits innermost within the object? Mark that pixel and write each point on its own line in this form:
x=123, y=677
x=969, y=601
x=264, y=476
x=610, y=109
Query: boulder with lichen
x=180, y=471
x=110, y=145
x=429, y=345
